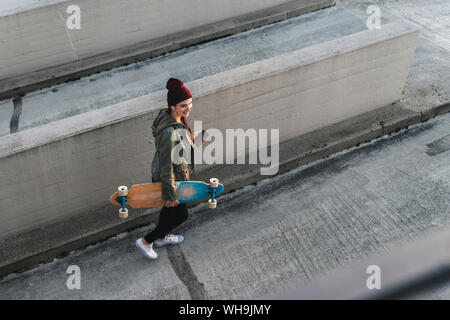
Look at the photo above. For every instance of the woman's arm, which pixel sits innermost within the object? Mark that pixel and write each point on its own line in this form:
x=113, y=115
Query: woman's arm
x=166, y=167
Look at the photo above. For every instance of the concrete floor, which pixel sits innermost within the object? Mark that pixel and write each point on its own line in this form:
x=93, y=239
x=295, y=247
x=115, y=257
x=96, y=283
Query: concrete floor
x=285, y=230
x=120, y=84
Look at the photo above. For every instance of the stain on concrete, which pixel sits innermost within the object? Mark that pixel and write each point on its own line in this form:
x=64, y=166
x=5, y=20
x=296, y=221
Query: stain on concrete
x=439, y=146
x=14, y=123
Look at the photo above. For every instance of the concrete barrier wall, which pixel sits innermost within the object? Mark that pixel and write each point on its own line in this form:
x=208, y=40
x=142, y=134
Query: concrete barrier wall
x=38, y=39
x=71, y=166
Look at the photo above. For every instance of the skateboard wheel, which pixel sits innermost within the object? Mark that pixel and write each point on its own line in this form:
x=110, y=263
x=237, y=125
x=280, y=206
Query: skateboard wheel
x=123, y=214
x=214, y=182
x=123, y=191
x=212, y=205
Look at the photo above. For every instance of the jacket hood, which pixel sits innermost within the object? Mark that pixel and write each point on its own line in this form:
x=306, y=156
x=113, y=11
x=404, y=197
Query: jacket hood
x=162, y=121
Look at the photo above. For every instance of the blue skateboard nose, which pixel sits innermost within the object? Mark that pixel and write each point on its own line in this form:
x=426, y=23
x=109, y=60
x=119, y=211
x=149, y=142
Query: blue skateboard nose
x=189, y=191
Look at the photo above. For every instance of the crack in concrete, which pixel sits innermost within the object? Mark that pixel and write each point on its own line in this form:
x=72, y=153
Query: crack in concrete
x=185, y=273
x=74, y=51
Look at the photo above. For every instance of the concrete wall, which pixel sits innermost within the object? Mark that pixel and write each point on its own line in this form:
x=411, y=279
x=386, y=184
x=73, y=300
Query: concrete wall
x=111, y=30
x=71, y=166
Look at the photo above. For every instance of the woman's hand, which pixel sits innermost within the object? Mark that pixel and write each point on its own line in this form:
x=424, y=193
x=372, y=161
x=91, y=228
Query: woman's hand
x=169, y=203
x=196, y=134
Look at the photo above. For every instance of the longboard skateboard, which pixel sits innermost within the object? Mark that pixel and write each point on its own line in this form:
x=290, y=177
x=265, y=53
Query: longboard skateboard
x=149, y=195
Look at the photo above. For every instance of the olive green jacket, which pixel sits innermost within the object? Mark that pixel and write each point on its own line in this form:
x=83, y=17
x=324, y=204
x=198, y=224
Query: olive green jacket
x=166, y=138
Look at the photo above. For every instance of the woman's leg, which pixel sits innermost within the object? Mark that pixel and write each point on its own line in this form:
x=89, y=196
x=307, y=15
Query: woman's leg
x=169, y=218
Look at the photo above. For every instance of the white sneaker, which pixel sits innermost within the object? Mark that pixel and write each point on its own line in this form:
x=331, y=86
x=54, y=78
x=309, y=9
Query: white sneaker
x=146, y=249
x=169, y=239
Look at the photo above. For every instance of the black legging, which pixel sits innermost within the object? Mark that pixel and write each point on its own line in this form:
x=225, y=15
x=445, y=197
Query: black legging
x=169, y=218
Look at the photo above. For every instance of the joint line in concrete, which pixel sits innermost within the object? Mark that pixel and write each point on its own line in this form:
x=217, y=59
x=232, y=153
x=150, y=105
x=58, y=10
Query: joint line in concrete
x=185, y=273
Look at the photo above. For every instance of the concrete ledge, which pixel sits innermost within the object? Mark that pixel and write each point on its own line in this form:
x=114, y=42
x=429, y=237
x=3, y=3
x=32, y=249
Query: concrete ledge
x=83, y=58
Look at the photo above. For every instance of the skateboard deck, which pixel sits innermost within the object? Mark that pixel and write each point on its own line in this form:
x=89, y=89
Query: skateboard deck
x=149, y=195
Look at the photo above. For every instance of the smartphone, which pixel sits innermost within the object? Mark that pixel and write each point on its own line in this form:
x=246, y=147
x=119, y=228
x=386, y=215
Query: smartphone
x=199, y=141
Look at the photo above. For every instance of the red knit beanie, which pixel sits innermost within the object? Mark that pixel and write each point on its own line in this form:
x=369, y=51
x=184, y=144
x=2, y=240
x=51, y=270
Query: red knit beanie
x=177, y=91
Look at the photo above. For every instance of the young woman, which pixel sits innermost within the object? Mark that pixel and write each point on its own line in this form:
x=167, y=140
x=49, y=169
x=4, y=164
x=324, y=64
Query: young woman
x=170, y=128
